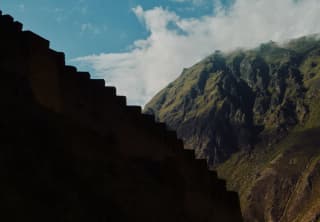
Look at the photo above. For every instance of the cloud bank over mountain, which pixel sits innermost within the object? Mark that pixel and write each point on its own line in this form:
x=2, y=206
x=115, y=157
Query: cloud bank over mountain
x=174, y=42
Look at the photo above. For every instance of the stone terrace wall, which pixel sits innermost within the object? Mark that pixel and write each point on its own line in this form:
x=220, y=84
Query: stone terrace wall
x=72, y=150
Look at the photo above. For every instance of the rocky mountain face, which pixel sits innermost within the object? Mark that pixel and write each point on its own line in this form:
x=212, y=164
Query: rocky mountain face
x=254, y=115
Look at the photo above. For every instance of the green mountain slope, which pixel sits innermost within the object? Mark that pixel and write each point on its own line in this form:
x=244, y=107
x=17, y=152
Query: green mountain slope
x=255, y=116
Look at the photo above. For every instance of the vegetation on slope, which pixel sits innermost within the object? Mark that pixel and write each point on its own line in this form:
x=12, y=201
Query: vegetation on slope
x=254, y=115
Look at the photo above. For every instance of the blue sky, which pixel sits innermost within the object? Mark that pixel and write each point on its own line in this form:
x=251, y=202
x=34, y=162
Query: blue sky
x=140, y=46
x=83, y=27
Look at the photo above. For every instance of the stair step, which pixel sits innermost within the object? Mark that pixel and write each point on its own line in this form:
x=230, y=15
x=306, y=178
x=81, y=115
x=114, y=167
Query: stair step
x=172, y=134
x=17, y=26
x=148, y=121
x=110, y=91
x=70, y=69
x=149, y=118
x=180, y=144
x=189, y=154
x=35, y=41
x=232, y=199
x=171, y=140
x=78, y=80
x=134, y=111
x=58, y=56
x=7, y=19
x=202, y=164
x=158, y=128
x=71, y=84
x=213, y=174
x=83, y=76
x=98, y=83
x=96, y=87
x=177, y=146
x=120, y=100
x=220, y=185
x=11, y=30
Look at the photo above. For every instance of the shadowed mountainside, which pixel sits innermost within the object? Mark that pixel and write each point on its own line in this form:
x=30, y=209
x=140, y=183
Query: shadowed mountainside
x=254, y=115
x=71, y=150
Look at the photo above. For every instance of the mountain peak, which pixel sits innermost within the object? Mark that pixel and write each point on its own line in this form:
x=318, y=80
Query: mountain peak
x=249, y=113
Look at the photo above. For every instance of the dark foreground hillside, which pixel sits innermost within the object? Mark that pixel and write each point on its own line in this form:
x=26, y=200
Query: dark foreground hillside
x=71, y=150
x=255, y=116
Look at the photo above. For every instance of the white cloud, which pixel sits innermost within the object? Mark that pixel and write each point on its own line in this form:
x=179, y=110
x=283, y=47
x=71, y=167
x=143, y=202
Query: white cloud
x=175, y=42
x=89, y=27
x=195, y=2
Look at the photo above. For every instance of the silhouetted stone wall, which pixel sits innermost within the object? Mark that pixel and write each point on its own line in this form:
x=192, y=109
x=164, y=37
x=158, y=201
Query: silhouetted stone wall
x=72, y=150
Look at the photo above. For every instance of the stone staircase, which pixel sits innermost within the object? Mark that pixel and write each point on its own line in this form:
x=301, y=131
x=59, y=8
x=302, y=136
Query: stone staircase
x=136, y=139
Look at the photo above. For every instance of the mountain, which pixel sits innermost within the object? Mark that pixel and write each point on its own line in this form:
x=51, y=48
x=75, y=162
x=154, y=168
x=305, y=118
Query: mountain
x=255, y=116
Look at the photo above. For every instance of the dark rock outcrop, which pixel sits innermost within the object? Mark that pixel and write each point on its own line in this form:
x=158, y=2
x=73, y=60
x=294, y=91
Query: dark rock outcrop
x=71, y=150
